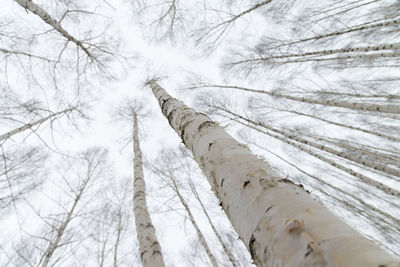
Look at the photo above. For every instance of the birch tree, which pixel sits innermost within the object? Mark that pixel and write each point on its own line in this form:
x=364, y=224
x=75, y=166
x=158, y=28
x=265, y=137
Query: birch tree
x=36, y=123
x=185, y=165
x=166, y=170
x=150, y=251
x=276, y=219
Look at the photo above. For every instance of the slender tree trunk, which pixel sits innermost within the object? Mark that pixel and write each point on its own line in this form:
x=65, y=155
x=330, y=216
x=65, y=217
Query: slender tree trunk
x=362, y=177
x=34, y=8
x=359, y=157
x=393, y=46
x=383, y=215
x=276, y=219
x=30, y=125
x=389, y=137
x=54, y=244
x=224, y=246
x=354, y=29
x=14, y=52
x=102, y=253
x=192, y=220
x=331, y=103
x=150, y=251
x=117, y=241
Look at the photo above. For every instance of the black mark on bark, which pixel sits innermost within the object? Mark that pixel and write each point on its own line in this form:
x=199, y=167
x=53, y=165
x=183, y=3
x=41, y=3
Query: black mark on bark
x=251, y=247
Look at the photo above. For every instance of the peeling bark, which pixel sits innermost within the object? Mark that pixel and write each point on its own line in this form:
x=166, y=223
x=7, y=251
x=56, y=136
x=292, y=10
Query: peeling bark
x=278, y=221
x=150, y=251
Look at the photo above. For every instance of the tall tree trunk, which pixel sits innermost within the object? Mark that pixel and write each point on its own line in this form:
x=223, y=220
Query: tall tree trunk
x=192, y=220
x=395, y=109
x=277, y=220
x=40, y=12
x=150, y=251
x=38, y=122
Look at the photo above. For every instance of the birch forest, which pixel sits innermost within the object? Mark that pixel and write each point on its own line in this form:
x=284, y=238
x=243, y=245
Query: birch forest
x=200, y=133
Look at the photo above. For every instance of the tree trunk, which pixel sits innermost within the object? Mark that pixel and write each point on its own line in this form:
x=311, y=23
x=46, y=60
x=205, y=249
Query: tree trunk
x=277, y=220
x=362, y=177
x=60, y=231
x=359, y=157
x=389, y=137
x=150, y=251
x=34, y=8
x=330, y=103
x=30, y=125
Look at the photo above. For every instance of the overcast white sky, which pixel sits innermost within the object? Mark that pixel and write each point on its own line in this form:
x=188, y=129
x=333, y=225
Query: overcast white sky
x=175, y=62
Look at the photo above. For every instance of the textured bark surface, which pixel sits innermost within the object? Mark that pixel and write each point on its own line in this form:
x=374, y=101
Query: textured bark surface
x=150, y=251
x=277, y=220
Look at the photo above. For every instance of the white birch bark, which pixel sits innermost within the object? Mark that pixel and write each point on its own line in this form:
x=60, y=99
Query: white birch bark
x=318, y=58
x=32, y=124
x=150, y=251
x=15, y=52
x=277, y=220
x=203, y=240
x=362, y=177
x=46, y=17
x=393, y=46
x=331, y=103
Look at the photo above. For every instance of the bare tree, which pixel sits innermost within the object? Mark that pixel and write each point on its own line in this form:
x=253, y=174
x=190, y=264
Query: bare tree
x=150, y=251
x=63, y=229
x=264, y=208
